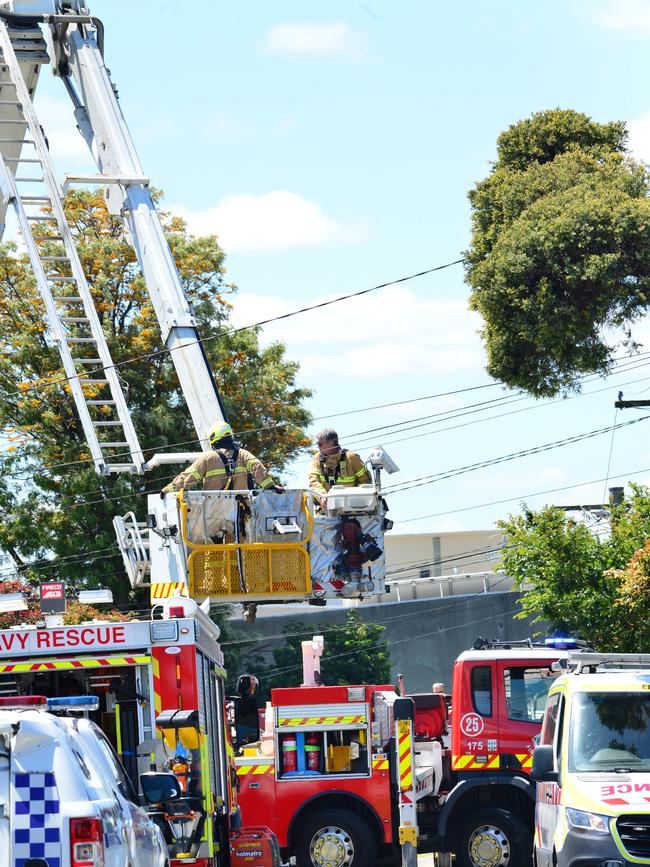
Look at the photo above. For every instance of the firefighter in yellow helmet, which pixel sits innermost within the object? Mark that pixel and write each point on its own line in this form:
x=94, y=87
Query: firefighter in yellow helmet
x=333, y=465
x=225, y=467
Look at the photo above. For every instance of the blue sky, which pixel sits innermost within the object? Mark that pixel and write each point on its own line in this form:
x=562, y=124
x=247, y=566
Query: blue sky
x=331, y=148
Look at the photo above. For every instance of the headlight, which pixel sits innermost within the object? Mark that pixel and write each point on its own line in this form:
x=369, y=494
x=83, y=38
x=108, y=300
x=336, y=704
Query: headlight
x=587, y=822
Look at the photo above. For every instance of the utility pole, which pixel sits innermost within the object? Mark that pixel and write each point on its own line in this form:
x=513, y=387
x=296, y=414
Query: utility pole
x=629, y=404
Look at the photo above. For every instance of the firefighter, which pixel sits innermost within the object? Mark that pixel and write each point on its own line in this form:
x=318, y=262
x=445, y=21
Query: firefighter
x=225, y=467
x=333, y=465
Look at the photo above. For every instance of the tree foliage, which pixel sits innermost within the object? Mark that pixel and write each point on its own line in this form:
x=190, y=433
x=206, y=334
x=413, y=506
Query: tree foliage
x=52, y=502
x=584, y=583
x=559, y=262
x=354, y=654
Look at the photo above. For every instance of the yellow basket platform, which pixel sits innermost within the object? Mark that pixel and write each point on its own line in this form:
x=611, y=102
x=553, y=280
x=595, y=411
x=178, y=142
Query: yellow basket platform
x=249, y=571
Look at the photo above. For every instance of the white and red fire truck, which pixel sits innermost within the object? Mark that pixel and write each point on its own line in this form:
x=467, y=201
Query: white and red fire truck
x=160, y=685
x=345, y=774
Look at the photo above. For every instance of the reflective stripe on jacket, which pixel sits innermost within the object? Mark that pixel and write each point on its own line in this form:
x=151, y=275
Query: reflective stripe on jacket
x=350, y=471
x=210, y=471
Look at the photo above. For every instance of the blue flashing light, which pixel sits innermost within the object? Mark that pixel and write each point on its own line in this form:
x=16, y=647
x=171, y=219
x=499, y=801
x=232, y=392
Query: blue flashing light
x=74, y=702
x=561, y=642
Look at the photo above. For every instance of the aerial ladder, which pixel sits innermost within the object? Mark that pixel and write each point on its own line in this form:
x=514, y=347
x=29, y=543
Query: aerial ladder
x=244, y=546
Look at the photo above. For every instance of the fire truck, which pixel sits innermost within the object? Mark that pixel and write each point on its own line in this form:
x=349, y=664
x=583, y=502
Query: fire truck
x=346, y=775
x=160, y=690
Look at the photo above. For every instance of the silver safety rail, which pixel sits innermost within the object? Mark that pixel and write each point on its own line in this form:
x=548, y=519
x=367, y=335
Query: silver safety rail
x=132, y=538
x=581, y=662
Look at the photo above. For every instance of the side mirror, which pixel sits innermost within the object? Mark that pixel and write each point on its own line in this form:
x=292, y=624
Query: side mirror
x=247, y=721
x=157, y=787
x=543, y=770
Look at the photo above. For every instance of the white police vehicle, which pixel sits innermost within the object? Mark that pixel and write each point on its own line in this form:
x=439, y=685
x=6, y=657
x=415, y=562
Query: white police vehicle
x=65, y=800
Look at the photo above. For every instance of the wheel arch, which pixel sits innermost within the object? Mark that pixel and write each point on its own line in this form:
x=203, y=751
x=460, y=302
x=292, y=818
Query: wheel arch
x=510, y=793
x=336, y=800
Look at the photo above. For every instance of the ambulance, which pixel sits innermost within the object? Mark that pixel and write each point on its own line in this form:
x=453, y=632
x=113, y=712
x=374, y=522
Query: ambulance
x=592, y=765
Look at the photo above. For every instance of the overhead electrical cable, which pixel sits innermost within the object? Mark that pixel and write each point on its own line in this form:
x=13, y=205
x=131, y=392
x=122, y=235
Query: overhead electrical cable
x=229, y=332
x=409, y=484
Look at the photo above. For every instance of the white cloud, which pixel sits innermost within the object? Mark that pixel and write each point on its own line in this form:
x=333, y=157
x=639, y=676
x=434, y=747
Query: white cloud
x=639, y=139
x=632, y=16
x=317, y=39
x=426, y=335
x=278, y=220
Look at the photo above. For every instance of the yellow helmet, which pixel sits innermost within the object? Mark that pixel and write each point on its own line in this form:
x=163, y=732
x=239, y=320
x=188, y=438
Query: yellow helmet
x=218, y=431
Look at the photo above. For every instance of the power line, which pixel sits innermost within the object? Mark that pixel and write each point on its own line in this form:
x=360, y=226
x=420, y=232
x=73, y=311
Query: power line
x=447, y=474
x=522, y=497
x=205, y=340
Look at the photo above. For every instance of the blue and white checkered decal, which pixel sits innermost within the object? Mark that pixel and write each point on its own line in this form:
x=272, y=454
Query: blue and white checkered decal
x=36, y=825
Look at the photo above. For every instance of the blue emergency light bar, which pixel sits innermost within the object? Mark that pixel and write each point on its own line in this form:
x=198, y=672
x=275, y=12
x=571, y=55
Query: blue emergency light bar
x=561, y=642
x=74, y=702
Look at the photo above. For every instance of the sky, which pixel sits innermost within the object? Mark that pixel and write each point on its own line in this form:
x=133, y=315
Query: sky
x=331, y=148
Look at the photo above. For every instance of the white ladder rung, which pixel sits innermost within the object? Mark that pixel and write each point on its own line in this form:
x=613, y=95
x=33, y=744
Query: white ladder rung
x=81, y=340
x=74, y=319
x=108, y=424
x=112, y=445
x=57, y=279
x=88, y=361
x=93, y=381
x=100, y=402
x=69, y=299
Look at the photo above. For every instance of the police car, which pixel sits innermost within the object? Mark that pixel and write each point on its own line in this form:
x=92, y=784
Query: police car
x=65, y=800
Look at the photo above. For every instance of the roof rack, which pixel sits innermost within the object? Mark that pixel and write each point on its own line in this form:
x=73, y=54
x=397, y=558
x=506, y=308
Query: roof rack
x=580, y=662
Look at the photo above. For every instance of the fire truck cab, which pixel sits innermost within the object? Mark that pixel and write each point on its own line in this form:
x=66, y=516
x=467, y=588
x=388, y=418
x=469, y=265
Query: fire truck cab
x=347, y=774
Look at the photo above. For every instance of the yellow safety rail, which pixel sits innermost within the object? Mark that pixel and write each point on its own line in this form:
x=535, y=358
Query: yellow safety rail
x=270, y=569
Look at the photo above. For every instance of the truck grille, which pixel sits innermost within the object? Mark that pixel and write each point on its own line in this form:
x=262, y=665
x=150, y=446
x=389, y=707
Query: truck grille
x=634, y=832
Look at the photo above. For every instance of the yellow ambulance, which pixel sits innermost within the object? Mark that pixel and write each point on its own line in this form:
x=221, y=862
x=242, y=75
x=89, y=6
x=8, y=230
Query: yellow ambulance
x=592, y=764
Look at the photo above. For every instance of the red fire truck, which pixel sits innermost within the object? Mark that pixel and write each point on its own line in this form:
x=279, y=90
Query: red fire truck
x=160, y=684
x=347, y=774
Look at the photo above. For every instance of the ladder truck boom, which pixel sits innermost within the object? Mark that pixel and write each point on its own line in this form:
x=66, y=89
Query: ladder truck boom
x=72, y=40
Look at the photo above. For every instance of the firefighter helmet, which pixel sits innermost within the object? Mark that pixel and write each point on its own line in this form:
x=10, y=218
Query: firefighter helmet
x=218, y=431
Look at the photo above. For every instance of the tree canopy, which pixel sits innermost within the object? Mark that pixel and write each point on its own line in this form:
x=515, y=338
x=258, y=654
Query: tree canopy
x=53, y=505
x=559, y=262
x=595, y=585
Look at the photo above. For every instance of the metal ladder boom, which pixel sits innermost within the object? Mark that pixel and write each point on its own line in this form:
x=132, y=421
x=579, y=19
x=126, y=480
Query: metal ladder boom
x=71, y=313
x=100, y=120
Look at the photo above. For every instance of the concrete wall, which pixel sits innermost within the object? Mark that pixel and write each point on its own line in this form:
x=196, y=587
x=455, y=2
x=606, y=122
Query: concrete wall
x=424, y=636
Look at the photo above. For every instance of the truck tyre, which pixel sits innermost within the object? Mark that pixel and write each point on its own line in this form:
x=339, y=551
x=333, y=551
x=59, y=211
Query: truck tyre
x=335, y=838
x=493, y=838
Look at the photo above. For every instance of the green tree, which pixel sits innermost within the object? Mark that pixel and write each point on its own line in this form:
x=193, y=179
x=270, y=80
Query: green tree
x=593, y=585
x=559, y=262
x=53, y=504
x=354, y=653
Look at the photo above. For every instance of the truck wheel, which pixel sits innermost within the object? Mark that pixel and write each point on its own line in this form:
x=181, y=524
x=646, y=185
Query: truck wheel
x=493, y=838
x=335, y=838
